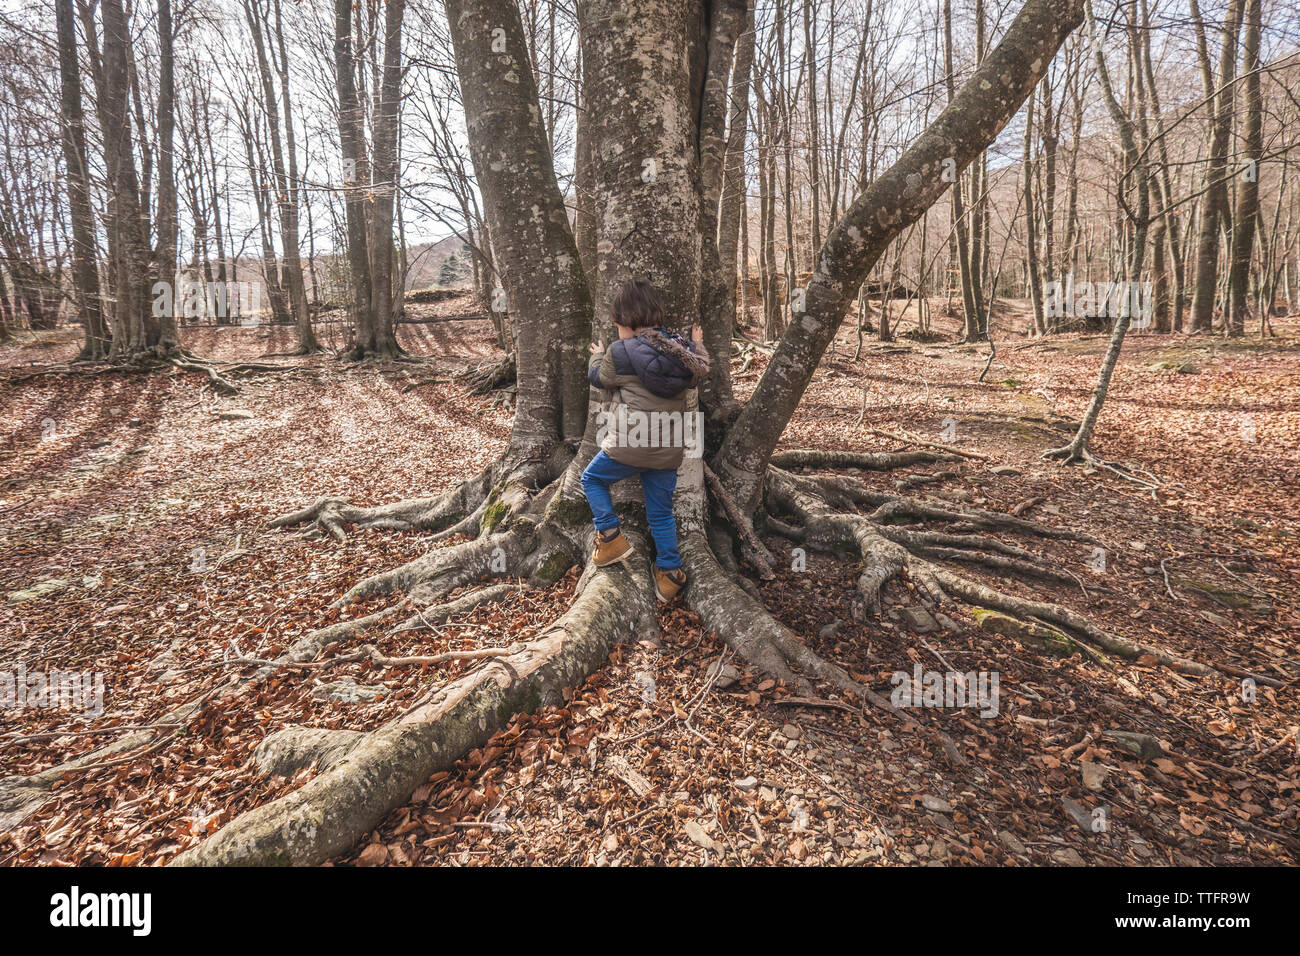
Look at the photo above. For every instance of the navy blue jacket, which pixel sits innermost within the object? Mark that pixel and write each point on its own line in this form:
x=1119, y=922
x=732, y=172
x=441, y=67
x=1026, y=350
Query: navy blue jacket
x=661, y=373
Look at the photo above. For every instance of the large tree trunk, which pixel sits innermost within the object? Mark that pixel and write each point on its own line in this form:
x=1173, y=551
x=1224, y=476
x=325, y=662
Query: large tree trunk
x=134, y=304
x=726, y=21
x=534, y=251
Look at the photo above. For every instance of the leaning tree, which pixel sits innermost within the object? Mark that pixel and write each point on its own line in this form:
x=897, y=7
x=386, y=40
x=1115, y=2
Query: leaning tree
x=654, y=103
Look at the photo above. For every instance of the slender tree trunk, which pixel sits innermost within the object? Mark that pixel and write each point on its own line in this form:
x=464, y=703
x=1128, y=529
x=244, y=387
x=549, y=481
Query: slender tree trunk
x=1031, y=226
x=1135, y=172
x=85, y=255
x=961, y=231
x=1215, y=209
x=352, y=147
x=384, y=340
x=1243, y=235
x=165, y=256
x=734, y=207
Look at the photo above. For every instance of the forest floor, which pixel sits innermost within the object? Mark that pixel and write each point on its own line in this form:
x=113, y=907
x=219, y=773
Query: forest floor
x=133, y=543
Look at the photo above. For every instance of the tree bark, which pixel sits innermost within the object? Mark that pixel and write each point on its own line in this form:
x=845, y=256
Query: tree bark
x=1243, y=235
x=352, y=148
x=85, y=255
x=534, y=251
x=1215, y=210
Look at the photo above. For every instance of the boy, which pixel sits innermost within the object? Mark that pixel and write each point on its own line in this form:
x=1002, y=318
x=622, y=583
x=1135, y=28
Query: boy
x=646, y=373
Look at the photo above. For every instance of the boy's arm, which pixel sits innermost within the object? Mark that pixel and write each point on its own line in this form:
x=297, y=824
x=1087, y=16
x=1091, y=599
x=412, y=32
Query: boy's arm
x=600, y=373
x=700, y=368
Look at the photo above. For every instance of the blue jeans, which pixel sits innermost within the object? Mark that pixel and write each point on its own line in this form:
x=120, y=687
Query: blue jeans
x=657, y=484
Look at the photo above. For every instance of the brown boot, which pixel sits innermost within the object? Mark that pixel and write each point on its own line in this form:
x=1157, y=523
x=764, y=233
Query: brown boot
x=611, y=550
x=668, y=584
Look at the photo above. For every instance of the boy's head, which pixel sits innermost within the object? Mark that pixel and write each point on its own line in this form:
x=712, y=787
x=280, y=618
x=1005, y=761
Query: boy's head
x=638, y=305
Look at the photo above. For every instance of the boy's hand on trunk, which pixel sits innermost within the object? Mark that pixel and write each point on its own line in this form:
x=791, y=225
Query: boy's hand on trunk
x=697, y=335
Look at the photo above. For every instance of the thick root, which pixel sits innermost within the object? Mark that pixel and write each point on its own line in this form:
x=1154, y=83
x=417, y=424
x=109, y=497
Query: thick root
x=482, y=379
x=20, y=797
x=431, y=616
x=332, y=515
x=886, y=552
x=866, y=460
x=746, y=627
x=379, y=772
x=978, y=595
x=290, y=749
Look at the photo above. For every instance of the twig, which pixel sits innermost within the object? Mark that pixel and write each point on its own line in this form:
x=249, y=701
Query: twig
x=928, y=444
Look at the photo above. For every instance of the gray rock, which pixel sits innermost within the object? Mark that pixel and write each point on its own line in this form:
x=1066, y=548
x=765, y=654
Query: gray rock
x=745, y=783
x=1094, y=775
x=938, y=805
x=1142, y=746
x=920, y=620
x=1005, y=470
x=827, y=632
x=947, y=623
x=1068, y=857
x=1080, y=815
x=234, y=415
x=1010, y=841
x=722, y=675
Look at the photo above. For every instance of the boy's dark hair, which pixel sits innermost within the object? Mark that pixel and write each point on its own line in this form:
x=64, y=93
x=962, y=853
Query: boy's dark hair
x=638, y=305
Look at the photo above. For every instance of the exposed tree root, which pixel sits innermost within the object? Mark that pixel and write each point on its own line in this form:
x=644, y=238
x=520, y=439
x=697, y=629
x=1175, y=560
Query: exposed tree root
x=218, y=384
x=893, y=508
x=290, y=749
x=1046, y=638
x=747, y=627
x=1077, y=453
x=371, y=775
x=889, y=552
x=867, y=460
x=430, y=616
x=751, y=547
x=978, y=595
x=499, y=491
x=525, y=518
x=20, y=797
x=485, y=378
